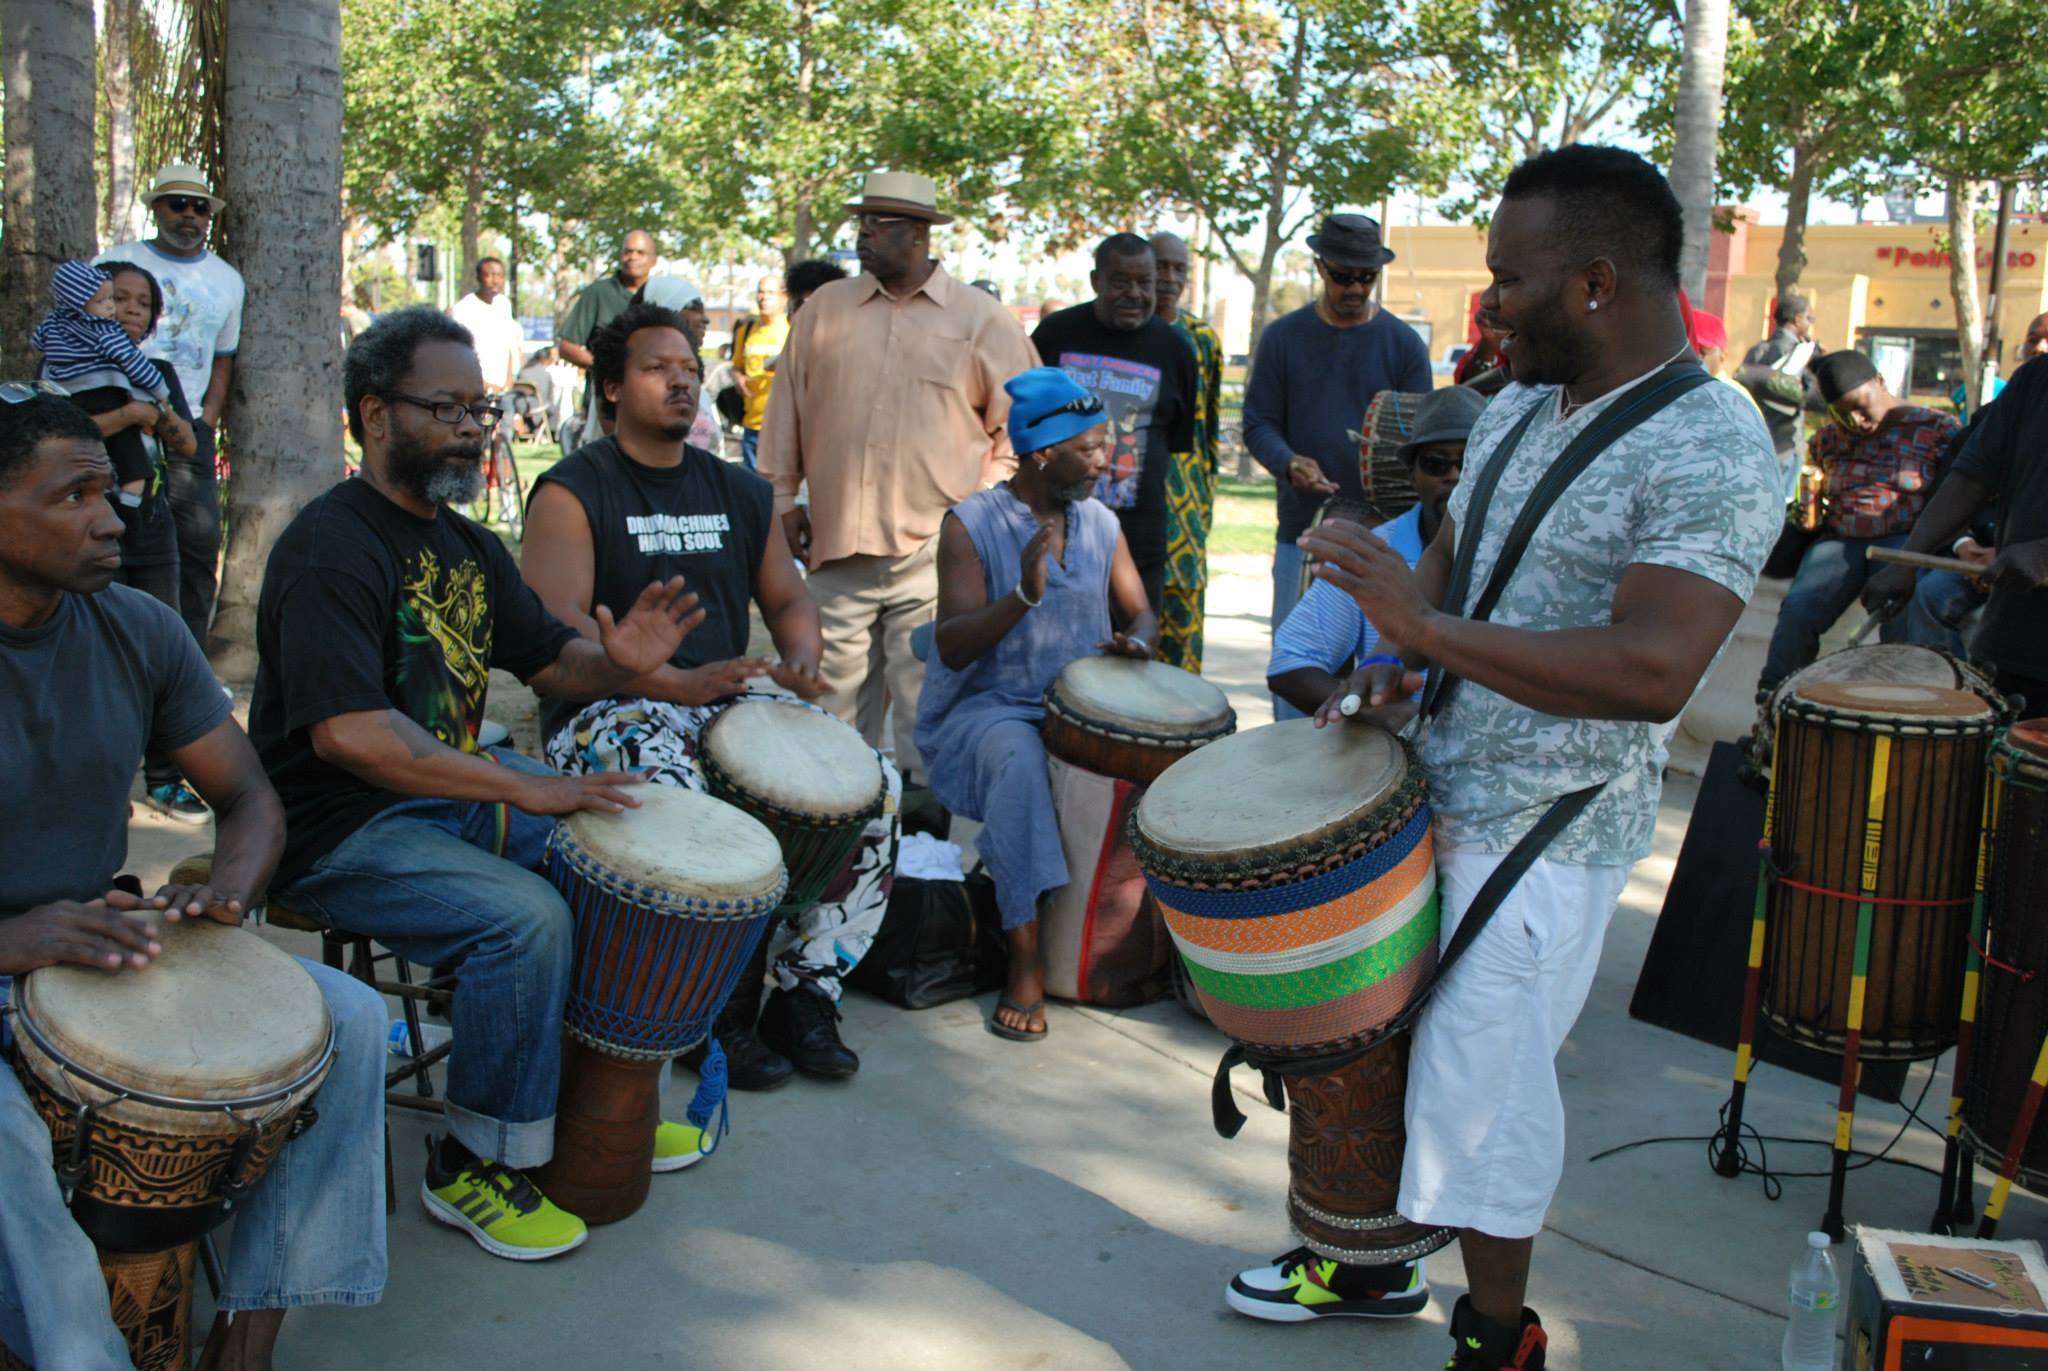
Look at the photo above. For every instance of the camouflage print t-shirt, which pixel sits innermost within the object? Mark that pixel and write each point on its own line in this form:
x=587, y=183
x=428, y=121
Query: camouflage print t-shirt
x=1694, y=487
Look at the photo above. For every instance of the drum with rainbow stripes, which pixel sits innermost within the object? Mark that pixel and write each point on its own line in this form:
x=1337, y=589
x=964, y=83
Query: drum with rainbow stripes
x=1296, y=870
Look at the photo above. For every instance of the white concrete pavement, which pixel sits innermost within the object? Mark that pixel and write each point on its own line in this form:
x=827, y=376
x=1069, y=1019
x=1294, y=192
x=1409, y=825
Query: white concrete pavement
x=970, y=1203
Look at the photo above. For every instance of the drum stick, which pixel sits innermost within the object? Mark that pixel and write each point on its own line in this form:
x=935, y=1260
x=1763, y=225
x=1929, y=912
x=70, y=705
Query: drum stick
x=1349, y=705
x=1863, y=630
x=1925, y=560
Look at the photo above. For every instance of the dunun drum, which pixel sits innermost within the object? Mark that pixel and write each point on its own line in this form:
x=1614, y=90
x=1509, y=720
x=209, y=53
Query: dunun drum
x=1117, y=716
x=669, y=900
x=1876, y=805
x=1297, y=874
x=1389, y=422
x=812, y=780
x=1891, y=663
x=168, y=1092
x=2012, y=1022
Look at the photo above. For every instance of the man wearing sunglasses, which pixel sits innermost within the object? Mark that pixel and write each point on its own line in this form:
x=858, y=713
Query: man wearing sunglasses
x=198, y=333
x=1316, y=371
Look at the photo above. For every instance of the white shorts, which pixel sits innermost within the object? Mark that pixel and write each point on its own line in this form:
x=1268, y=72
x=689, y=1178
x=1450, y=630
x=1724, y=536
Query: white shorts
x=1485, y=1120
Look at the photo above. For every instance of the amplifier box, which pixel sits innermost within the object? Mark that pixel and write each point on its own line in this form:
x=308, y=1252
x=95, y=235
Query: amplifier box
x=1918, y=1302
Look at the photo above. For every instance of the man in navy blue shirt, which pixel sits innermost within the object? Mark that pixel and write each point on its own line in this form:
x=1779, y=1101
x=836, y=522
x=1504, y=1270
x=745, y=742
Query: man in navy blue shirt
x=1316, y=371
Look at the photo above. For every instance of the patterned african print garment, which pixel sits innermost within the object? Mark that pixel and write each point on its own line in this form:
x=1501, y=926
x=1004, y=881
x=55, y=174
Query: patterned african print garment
x=820, y=945
x=1190, y=505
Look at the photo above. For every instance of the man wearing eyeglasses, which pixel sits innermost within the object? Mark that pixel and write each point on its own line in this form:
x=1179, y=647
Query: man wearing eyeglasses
x=889, y=404
x=1315, y=373
x=382, y=615
x=199, y=333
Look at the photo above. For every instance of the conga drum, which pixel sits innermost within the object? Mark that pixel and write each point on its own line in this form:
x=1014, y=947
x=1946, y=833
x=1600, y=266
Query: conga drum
x=813, y=781
x=1876, y=806
x=669, y=900
x=2002, y=1090
x=168, y=1092
x=1297, y=873
x=1891, y=663
x=1118, y=716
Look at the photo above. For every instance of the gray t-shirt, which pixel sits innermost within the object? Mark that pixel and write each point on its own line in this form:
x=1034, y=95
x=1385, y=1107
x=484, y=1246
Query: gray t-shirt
x=107, y=674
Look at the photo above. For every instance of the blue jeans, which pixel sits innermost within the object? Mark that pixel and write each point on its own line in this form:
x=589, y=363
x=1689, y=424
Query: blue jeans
x=194, y=493
x=1829, y=579
x=750, y=442
x=310, y=1232
x=1287, y=559
x=1941, y=601
x=423, y=878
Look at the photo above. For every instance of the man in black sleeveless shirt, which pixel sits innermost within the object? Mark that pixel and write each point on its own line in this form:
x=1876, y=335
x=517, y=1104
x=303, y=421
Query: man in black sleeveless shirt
x=643, y=499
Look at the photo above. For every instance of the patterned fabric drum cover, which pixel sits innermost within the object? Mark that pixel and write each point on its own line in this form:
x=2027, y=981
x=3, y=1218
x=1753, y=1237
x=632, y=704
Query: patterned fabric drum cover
x=1875, y=809
x=217, y=1046
x=2012, y=1017
x=1297, y=873
x=811, y=779
x=1117, y=716
x=1298, y=877
x=669, y=901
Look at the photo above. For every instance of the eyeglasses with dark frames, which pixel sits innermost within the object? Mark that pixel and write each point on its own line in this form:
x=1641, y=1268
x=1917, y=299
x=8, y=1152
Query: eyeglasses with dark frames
x=451, y=411
x=1436, y=466
x=1340, y=277
x=187, y=204
x=1086, y=405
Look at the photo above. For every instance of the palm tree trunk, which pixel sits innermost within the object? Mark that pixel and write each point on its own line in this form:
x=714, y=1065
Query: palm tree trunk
x=1698, y=123
x=117, y=216
x=1962, y=283
x=282, y=151
x=46, y=62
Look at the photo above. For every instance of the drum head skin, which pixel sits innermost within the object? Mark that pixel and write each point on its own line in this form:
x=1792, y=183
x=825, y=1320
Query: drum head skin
x=2030, y=736
x=795, y=758
x=1271, y=788
x=681, y=842
x=220, y=1015
x=1900, y=700
x=1148, y=698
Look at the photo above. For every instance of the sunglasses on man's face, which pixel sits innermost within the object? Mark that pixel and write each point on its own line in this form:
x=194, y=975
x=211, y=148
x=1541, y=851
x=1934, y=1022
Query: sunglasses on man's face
x=1340, y=277
x=21, y=392
x=1437, y=467
x=187, y=204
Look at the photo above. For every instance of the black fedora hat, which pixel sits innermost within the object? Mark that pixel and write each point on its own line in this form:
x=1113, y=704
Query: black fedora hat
x=1350, y=240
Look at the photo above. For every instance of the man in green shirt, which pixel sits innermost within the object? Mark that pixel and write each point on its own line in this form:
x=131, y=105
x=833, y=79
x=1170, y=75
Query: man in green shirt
x=602, y=301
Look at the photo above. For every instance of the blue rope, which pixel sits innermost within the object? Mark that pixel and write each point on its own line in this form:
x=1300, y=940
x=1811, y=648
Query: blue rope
x=710, y=1098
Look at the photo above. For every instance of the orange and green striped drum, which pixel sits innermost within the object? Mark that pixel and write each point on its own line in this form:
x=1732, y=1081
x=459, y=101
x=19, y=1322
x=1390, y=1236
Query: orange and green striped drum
x=1876, y=812
x=1295, y=869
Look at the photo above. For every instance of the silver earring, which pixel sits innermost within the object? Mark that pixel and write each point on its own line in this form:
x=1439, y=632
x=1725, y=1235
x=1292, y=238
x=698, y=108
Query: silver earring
x=1592, y=305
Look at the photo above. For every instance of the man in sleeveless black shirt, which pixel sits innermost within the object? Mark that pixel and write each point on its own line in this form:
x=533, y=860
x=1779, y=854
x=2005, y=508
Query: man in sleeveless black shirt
x=643, y=502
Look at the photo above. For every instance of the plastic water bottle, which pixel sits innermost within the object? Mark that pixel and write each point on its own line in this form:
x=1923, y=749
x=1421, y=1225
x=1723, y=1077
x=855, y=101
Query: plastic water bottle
x=432, y=1035
x=1816, y=1297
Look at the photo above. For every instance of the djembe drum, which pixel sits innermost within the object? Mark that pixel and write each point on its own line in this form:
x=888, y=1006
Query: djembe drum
x=2003, y=1081
x=168, y=1092
x=1862, y=919
x=669, y=900
x=814, y=782
x=1121, y=717
x=1297, y=874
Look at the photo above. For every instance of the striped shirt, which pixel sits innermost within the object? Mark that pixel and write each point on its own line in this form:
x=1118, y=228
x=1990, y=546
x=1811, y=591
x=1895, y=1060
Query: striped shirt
x=74, y=343
x=1326, y=628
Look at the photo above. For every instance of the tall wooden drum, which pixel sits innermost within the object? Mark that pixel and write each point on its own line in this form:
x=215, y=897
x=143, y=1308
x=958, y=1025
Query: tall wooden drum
x=669, y=900
x=168, y=1092
x=1876, y=808
x=1297, y=873
x=1118, y=716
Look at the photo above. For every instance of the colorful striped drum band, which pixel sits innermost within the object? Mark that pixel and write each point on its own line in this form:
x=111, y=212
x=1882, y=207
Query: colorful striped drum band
x=1317, y=961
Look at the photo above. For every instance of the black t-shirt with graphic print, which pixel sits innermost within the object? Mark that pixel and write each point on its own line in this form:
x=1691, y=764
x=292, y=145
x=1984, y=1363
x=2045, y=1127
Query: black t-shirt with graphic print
x=704, y=520
x=368, y=607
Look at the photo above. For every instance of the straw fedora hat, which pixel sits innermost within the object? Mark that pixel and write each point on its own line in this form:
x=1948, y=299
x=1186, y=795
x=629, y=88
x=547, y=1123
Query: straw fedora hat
x=900, y=192
x=181, y=178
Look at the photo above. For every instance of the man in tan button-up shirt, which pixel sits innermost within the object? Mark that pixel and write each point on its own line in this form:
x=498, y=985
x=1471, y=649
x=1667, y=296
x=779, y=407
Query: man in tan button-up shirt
x=889, y=402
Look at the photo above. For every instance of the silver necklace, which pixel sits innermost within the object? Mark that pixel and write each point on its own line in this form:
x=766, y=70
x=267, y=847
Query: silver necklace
x=1566, y=406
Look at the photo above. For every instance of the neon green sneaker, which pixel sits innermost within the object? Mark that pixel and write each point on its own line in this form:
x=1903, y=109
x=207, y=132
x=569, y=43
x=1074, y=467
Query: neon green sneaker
x=677, y=1145
x=500, y=1208
x=1301, y=1286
